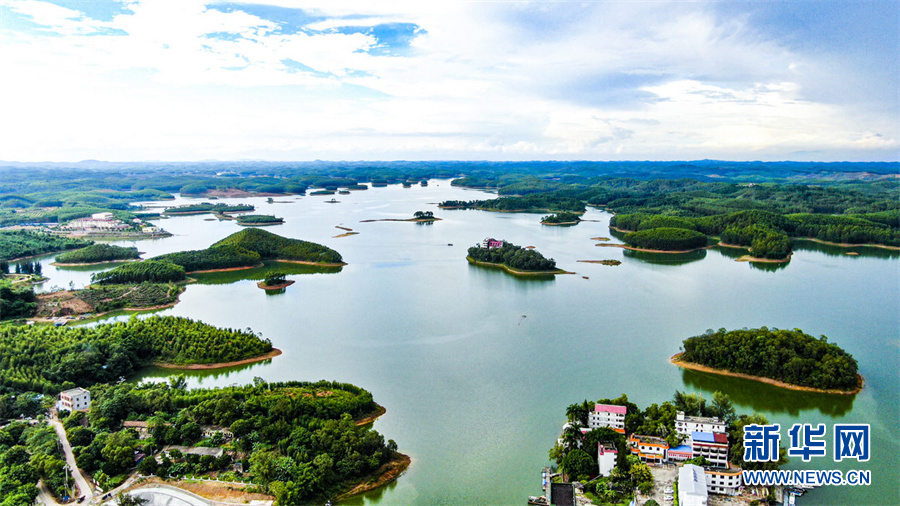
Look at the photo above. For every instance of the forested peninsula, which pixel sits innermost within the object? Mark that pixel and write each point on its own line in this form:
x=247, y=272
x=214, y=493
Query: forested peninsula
x=24, y=243
x=96, y=253
x=789, y=357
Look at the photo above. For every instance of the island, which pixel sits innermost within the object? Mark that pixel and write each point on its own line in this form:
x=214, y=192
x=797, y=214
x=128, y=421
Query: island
x=19, y=244
x=512, y=258
x=558, y=219
x=785, y=358
x=418, y=217
x=614, y=449
x=665, y=239
x=275, y=281
x=236, y=433
x=97, y=253
x=207, y=207
x=258, y=220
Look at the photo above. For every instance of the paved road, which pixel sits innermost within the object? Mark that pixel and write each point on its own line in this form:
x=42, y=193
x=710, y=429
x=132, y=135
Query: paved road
x=84, y=488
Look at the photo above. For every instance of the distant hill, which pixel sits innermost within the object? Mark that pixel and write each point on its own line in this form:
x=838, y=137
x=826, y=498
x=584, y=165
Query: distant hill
x=270, y=246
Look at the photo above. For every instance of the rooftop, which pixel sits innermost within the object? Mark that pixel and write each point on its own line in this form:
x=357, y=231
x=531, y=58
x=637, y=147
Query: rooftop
x=698, y=419
x=75, y=391
x=709, y=437
x=609, y=408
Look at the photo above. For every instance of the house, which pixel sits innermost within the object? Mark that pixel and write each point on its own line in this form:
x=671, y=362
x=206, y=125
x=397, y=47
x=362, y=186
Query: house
x=680, y=453
x=712, y=446
x=211, y=430
x=75, y=399
x=490, y=242
x=648, y=448
x=606, y=458
x=723, y=480
x=692, y=486
x=687, y=424
x=607, y=415
x=139, y=427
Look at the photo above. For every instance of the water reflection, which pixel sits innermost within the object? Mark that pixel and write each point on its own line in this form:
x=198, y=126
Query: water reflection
x=768, y=266
x=666, y=258
x=161, y=374
x=838, y=251
x=762, y=397
x=227, y=277
x=372, y=497
x=497, y=272
x=277, y=291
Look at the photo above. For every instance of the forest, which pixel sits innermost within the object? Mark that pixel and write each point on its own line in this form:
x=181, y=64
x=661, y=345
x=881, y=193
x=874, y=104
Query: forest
x=270, y=246
x=98, y=253
x=576, y=453
x=207, y=207
x=23, y=243
x=790, y=356
x=561, y=218
x=48, y=359
x=28, y=454
x=666, y=238
x=154, y=271
x=258, y=219
x=16, y=302
x=297, y=440
x=514, y=257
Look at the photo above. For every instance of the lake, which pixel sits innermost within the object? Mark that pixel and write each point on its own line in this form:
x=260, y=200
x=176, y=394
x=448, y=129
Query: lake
x=476, y=366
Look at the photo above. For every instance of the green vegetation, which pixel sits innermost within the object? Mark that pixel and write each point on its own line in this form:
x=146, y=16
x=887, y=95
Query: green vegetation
x=424, y=215
x=514, y=257
x=270, y=246
x=258, y=219
x=554, y=202
x=217, y=257
x=790, y=356
x=29, y=454
x=154, y=271
x=274, y=278
x=49, y=359
x=104, y=298
x=98, y=253
x=23, y=243
x=561, y=218
x=666, y=238
x=16, y=302
x=207, y=207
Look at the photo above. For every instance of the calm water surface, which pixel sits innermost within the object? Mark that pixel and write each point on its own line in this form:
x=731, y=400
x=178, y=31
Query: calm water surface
x=476, y=366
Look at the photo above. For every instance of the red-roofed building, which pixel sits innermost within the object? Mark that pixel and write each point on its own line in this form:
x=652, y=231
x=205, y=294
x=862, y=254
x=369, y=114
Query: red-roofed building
x=492, y=243
x=608, y=415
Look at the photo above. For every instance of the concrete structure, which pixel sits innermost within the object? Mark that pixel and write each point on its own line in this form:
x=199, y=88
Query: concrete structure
x=140, y=427
x=195, y=450
x=680, y=453
x=95, y=224
x=102, y=216
x=712, y=446
x=75, y=399
x=687, y=424
x=606, y=458
x=723, y=480
x=692, y=486
x=607, y=415
x=490, y=242
x=648, y=448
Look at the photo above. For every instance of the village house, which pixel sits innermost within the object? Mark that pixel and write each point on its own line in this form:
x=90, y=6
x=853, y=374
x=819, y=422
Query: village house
x=75, y=399
x=687, y=424
x=490, y=242
x=712, y=446
x=606, y=458
x=607, y=415
x=648, y=448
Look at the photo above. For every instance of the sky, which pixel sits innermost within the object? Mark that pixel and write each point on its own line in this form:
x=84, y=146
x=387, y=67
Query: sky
x=294, y=80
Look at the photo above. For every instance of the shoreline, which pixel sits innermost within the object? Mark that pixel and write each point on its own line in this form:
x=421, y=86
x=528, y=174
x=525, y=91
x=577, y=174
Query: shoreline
x=561, y=223
x=226, y=269
x=848, y=245
x=263, y=224
x=58, y=264
x=676, y=360
x=307, y=262
x=387, y=473
x=751, y=258
x=371, y=417
x=413, y=220
x=275, y=287
x=517, y=272
x=218, y=365
x=632, y=248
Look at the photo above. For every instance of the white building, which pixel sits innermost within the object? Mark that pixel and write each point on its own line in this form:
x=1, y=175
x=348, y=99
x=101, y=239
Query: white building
x=648, y=448
x=692, y=486
x=725, y=481
x=687, y=424
x=76, y=399
x=102, y=216
x=712, y=446
x=607, y=415
x=606, y=458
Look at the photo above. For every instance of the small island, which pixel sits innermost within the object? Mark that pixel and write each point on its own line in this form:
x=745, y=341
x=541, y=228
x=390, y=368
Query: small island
x=666, y=239
x=207, y=207
x=512, y=258
x=418, y=217
x=559, y=219
x=785, y=358
x=258, y=220
x=97, y=253
x=275, y=281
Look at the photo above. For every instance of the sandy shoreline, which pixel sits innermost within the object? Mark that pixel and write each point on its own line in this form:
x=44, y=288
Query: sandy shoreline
x=371, y=417
x=386, y=474
x=219, y=365
x=275, y=287
x=848, y=245
x=676, y=359
x=561, y=223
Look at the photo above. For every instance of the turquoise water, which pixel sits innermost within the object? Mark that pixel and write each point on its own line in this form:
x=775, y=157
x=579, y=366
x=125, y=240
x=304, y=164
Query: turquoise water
x=476, y=367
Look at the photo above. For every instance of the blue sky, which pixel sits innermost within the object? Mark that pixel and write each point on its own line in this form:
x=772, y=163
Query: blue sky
x=462, y=80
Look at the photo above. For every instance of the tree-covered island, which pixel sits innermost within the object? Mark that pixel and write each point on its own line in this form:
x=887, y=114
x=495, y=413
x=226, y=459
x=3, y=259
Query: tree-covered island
x=258, y=220
x=564, y=218
x=97, y=253
x=787, y=358
x=207, y=207
x=512, y=258
x=24, y=243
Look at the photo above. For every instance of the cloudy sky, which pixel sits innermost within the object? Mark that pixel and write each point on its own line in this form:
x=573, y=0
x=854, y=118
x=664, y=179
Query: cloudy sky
x=416, y=80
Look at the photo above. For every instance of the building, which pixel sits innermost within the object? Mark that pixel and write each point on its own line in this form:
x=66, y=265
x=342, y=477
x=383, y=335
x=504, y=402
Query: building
x=606, y=458
x=687, y=424
x=692, y=486
x=648, y=448
x=680, y=453
x=712, y=446
x=102, y=216
x=75, y=399
x=607, y=415
x=139, y=427
x=490, y=242
x=723, y=480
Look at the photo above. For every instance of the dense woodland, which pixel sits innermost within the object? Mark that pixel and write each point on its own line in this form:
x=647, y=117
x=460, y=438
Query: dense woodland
x=16, y=301
x=790, y=356
x=98, y=253
x=514, y=257
x=23, y=243
x=270, y=246
x=207, y=207
x=48, y=359
x=220, y=257
x=666, y=238
x=576, y=455
x=561, y=218
x=29, y=454
x=153, y=271
x=258, y=219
